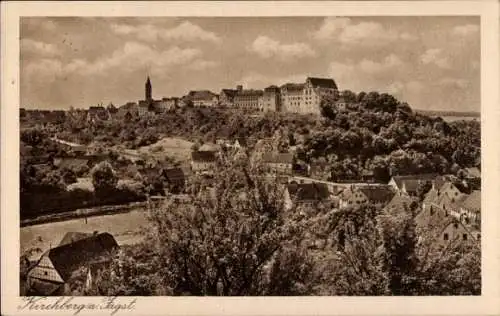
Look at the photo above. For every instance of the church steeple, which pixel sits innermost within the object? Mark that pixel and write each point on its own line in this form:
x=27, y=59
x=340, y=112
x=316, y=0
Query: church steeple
x=148, y=89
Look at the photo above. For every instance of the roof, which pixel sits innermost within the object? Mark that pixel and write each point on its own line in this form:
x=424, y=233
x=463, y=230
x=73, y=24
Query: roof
x=46, y=288
x=174, y=174
x=473, y=201
x=431, y=196
x=242, y=141
x=322, y=82
x=293, y=86
x=249, y=92
x=229, y=92
x=309, y=191
x=272, y=89
x=71, y=237
x=412, y=182
x=201, y=95
x=69, y=257
x=379, y=194
x=399, y=201
x=203, y=156
x=277, y=158
x=473, y=172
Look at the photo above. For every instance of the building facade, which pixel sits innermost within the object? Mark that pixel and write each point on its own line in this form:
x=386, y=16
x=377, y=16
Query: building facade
x=270, y=101
x=248, y=99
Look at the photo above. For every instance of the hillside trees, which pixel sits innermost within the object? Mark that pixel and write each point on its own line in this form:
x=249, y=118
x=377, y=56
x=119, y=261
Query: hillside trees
x=234, y=238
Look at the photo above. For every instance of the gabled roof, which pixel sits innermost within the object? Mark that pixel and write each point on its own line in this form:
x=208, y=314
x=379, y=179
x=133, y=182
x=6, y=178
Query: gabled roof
x=473, y=201
x=71, y=237
x=67, y=258
x=399, y=202
x=411, y=182
x=242, y=141
x=203, y=156
x=322, y=82
x=431, y=196
x=277, y=158
x=309, y=191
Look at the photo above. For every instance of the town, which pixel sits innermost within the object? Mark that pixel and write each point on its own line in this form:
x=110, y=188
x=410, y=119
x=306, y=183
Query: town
x=95, y=162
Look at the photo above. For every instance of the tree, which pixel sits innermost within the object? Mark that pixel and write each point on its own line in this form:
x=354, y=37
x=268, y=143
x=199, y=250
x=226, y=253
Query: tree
x=104, y=178
x=235, y=238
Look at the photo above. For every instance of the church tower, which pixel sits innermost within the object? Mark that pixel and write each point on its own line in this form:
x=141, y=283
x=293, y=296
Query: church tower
x=148, y=90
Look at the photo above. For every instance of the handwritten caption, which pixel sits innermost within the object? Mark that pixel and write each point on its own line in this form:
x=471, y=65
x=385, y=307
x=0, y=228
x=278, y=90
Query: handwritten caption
x=43, y=303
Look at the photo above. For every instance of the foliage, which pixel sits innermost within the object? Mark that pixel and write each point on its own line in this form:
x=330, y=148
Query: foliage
x=104, y=178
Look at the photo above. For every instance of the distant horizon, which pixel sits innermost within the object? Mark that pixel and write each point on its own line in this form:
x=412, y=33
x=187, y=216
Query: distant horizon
x=432, y=63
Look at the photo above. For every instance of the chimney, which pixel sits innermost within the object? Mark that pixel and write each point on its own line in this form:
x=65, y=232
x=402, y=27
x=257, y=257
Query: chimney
x=239, y=88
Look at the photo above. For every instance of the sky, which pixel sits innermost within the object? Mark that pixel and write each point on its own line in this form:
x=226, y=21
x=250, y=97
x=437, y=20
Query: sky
x=433, y=63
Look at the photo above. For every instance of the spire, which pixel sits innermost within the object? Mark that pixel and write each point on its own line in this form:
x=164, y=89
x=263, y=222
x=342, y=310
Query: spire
x=148, y=89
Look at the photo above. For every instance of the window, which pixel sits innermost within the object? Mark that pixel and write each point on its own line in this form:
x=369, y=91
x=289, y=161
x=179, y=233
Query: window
x=478, y=236
x=455, y=225
x=45, y=273
x=464, y=236
x=445, y=236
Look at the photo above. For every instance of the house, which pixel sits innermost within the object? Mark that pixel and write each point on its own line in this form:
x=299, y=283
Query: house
x=175, y=179
x=98, y=113
x=409, y=184
x=305, y=98
x=468, y=208
x=166, y=104
x=357, y=195
x=341, y=104
x=248, y=99
x=145, y=108
x=305, y=194
x=203, y=98
x=400, y=202
x=203, y=161
x=319, y=168
x=226, y=97
x=53, y=272
x=451, y=191
x=278, y=162
x=455, y=231
x=128, y=111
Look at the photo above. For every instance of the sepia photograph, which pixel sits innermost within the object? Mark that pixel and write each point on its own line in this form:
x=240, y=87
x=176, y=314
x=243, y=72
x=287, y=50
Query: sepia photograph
x=250, y=156
x=272, y=152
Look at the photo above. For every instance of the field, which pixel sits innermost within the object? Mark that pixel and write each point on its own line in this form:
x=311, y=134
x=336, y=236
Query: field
x=123, y=226
x=177, y=148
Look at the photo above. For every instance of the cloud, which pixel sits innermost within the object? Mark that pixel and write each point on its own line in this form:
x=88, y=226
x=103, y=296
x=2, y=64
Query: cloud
x=266, y=47
x=467, y=29
x=372, y=67
x=131, y=57
x=435, y=56
x=362, y=33
x=201, y=64
x=185, y=31
x=457, y=82
x=39, y=48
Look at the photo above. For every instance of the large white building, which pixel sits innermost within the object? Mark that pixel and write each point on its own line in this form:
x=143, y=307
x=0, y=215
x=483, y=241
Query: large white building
x=306, y=97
